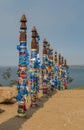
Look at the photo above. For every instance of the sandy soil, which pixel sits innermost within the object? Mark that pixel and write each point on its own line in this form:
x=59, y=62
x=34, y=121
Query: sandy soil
x=62, y=111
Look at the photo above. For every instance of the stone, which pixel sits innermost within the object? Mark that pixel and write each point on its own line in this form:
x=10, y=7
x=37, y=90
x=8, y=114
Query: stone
x=7, y=94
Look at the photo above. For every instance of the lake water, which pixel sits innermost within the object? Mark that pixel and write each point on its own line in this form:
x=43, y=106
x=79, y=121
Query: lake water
x=76, y=73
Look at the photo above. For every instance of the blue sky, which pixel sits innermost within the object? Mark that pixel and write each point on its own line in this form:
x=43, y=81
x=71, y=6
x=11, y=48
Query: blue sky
x=61, y=22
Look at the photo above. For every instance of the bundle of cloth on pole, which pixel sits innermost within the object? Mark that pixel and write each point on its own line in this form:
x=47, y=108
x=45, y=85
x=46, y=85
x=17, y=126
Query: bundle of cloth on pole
x=22, y=85
x=34, y=68
x=56, y=70
x=44, y=69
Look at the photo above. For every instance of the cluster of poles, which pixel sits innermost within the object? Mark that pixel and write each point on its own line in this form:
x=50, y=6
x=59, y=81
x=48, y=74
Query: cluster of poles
x=49, y=76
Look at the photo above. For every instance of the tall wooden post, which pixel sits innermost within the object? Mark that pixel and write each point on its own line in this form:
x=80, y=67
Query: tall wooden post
x=48, y=69
x=22, y=69
x=56, y=70
x=66, y=68
x=44, y=68
x=38, y=71
x=34, y=68
x=59, y=73
x=51, y=64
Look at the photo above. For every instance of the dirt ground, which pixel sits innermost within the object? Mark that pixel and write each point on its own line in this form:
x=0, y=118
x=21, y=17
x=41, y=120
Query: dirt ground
x=64, y=110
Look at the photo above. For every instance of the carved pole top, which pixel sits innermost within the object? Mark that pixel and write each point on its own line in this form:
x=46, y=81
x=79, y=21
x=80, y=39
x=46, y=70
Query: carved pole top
x=59, y=57
x=23, y=18
x=45, y=46
x=45, y=42
x=34, y=32
x=55, y=57
x=62, y=60
x=33, y=42
x=55, y=53
x=23, y=28
x=23, y=22
x=65, y=62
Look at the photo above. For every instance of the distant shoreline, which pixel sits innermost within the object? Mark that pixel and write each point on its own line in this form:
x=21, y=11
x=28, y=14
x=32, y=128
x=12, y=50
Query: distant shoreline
x=70, y=66
x=76, y=66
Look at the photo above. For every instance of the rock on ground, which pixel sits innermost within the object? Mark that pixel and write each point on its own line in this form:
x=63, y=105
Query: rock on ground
x=7, y=94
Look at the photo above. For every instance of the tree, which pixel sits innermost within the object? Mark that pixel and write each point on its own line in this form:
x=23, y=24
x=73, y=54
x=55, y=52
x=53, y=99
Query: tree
x=7, y=76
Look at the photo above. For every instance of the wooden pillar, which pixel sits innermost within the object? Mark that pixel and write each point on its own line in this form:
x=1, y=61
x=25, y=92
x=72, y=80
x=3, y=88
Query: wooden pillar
x=22, y=69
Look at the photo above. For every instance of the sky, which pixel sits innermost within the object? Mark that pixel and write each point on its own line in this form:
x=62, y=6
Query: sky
x=61, y=22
